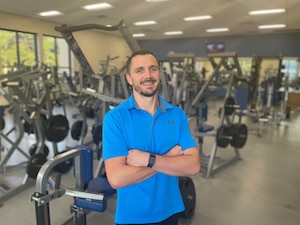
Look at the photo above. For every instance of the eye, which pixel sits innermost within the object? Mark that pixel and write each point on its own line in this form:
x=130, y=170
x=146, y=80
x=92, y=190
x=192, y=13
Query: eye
x=139, y=70
x=153, y=69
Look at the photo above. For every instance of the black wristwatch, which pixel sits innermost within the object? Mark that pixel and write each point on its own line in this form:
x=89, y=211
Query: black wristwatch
x=151, y=160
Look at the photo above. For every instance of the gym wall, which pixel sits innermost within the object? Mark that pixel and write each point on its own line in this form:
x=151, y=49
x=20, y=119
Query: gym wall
x=266, y=45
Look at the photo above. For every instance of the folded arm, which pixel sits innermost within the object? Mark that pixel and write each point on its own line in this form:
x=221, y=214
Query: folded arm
x=174, y=163
x=123, y=171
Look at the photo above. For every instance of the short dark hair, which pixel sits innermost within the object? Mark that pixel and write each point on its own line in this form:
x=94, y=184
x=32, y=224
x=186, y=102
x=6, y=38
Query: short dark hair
x=139, y=52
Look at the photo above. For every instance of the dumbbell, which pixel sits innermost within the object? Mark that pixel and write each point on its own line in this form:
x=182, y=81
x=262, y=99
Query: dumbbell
x=235, y=134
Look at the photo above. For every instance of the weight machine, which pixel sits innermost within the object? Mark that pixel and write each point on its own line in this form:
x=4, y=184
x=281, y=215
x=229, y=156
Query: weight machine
x=48, y=187
x=90, y=192
x=227, y=131
x=28, y=92
x=185, y=80
x=7, y=191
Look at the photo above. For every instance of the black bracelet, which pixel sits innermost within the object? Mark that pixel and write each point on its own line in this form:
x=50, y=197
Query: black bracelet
x=151, y=160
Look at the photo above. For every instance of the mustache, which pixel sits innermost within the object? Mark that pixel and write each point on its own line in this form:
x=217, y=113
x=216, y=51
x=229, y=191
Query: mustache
x=148, y=80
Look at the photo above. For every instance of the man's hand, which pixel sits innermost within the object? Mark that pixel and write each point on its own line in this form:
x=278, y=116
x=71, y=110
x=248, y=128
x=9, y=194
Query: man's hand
x=137, y=158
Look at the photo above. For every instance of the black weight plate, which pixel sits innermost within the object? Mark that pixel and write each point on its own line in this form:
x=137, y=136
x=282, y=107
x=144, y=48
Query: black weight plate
x=65, y=166
x=33, y=148
x=57, y=128
x=229, y=106
x=188, y=193
x=97, y=134
x=77, y=128
x=222, y=139
x=34, y=165
x=239, y=134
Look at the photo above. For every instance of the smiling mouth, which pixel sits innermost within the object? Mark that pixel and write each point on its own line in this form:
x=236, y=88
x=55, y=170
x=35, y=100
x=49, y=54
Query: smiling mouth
x=148, y=82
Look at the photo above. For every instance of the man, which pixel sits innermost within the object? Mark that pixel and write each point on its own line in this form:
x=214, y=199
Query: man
x=147, y=144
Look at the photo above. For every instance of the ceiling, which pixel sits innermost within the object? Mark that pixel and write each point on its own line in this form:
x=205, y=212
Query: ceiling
x=169, y=15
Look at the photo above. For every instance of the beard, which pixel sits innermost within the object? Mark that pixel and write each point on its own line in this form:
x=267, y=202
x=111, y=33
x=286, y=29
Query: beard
x=147, y=92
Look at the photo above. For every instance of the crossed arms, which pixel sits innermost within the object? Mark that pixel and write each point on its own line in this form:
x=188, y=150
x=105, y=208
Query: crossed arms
x=122, y=171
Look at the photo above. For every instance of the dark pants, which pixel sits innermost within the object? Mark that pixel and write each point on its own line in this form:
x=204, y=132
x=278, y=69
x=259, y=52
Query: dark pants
x=172, y=220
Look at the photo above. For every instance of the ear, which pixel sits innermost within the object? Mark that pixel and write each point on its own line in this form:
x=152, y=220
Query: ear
x=128, y=78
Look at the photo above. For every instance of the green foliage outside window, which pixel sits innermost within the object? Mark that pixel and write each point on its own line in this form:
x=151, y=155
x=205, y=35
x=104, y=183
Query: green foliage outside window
x=19, y=49
x=50, y=51
x=16, y=49
x=8, y=50
x=27, y=49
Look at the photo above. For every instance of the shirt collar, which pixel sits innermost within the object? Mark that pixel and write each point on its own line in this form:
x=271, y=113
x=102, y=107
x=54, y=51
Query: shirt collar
x=163, y=104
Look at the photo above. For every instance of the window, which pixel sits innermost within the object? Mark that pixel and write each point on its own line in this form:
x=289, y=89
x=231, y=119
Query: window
x=57, y=53
x=27, y=49
x=17, y=49
x=246, y=65
x=290, y=68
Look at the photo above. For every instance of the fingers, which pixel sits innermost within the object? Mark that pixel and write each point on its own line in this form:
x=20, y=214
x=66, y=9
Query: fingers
x=137, y=158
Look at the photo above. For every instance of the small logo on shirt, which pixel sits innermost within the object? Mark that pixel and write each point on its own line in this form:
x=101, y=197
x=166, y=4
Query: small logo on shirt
x=171, y=122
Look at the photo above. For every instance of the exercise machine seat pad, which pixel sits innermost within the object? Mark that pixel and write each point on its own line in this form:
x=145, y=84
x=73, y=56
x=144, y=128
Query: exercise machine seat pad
x=101, y=185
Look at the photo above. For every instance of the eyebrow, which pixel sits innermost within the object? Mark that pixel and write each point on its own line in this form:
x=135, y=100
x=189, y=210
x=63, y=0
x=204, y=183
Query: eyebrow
x=138, y=68
x=143, y=67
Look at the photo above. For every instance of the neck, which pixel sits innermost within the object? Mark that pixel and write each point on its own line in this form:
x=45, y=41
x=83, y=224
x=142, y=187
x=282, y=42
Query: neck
x=149, y=104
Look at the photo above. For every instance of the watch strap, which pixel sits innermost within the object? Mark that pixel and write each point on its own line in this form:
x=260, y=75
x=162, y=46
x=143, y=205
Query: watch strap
x=151, y=160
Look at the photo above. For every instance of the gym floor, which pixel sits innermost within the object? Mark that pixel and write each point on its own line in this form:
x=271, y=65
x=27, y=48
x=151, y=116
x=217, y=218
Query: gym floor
x=262, y=188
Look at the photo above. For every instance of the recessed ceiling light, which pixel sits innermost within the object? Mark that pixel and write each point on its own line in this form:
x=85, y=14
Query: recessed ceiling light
x=197, y=18
x=268, y=11
x=143, y=23
x=272, y=26
x=103, y=5
x=173, y=33
x=217, y=30
x=50, y=13
x=139, y=35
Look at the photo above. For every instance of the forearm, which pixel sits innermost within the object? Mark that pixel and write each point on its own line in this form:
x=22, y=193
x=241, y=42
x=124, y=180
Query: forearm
x=121, y=174
x=181, y=165
x=175, y=162
x=123, y=171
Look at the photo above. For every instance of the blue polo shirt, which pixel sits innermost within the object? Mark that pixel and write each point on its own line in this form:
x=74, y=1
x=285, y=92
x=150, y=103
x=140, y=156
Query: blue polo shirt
x=127, y=127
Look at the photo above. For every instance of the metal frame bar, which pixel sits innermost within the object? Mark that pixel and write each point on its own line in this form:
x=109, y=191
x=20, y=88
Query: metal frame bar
x=41, y=195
